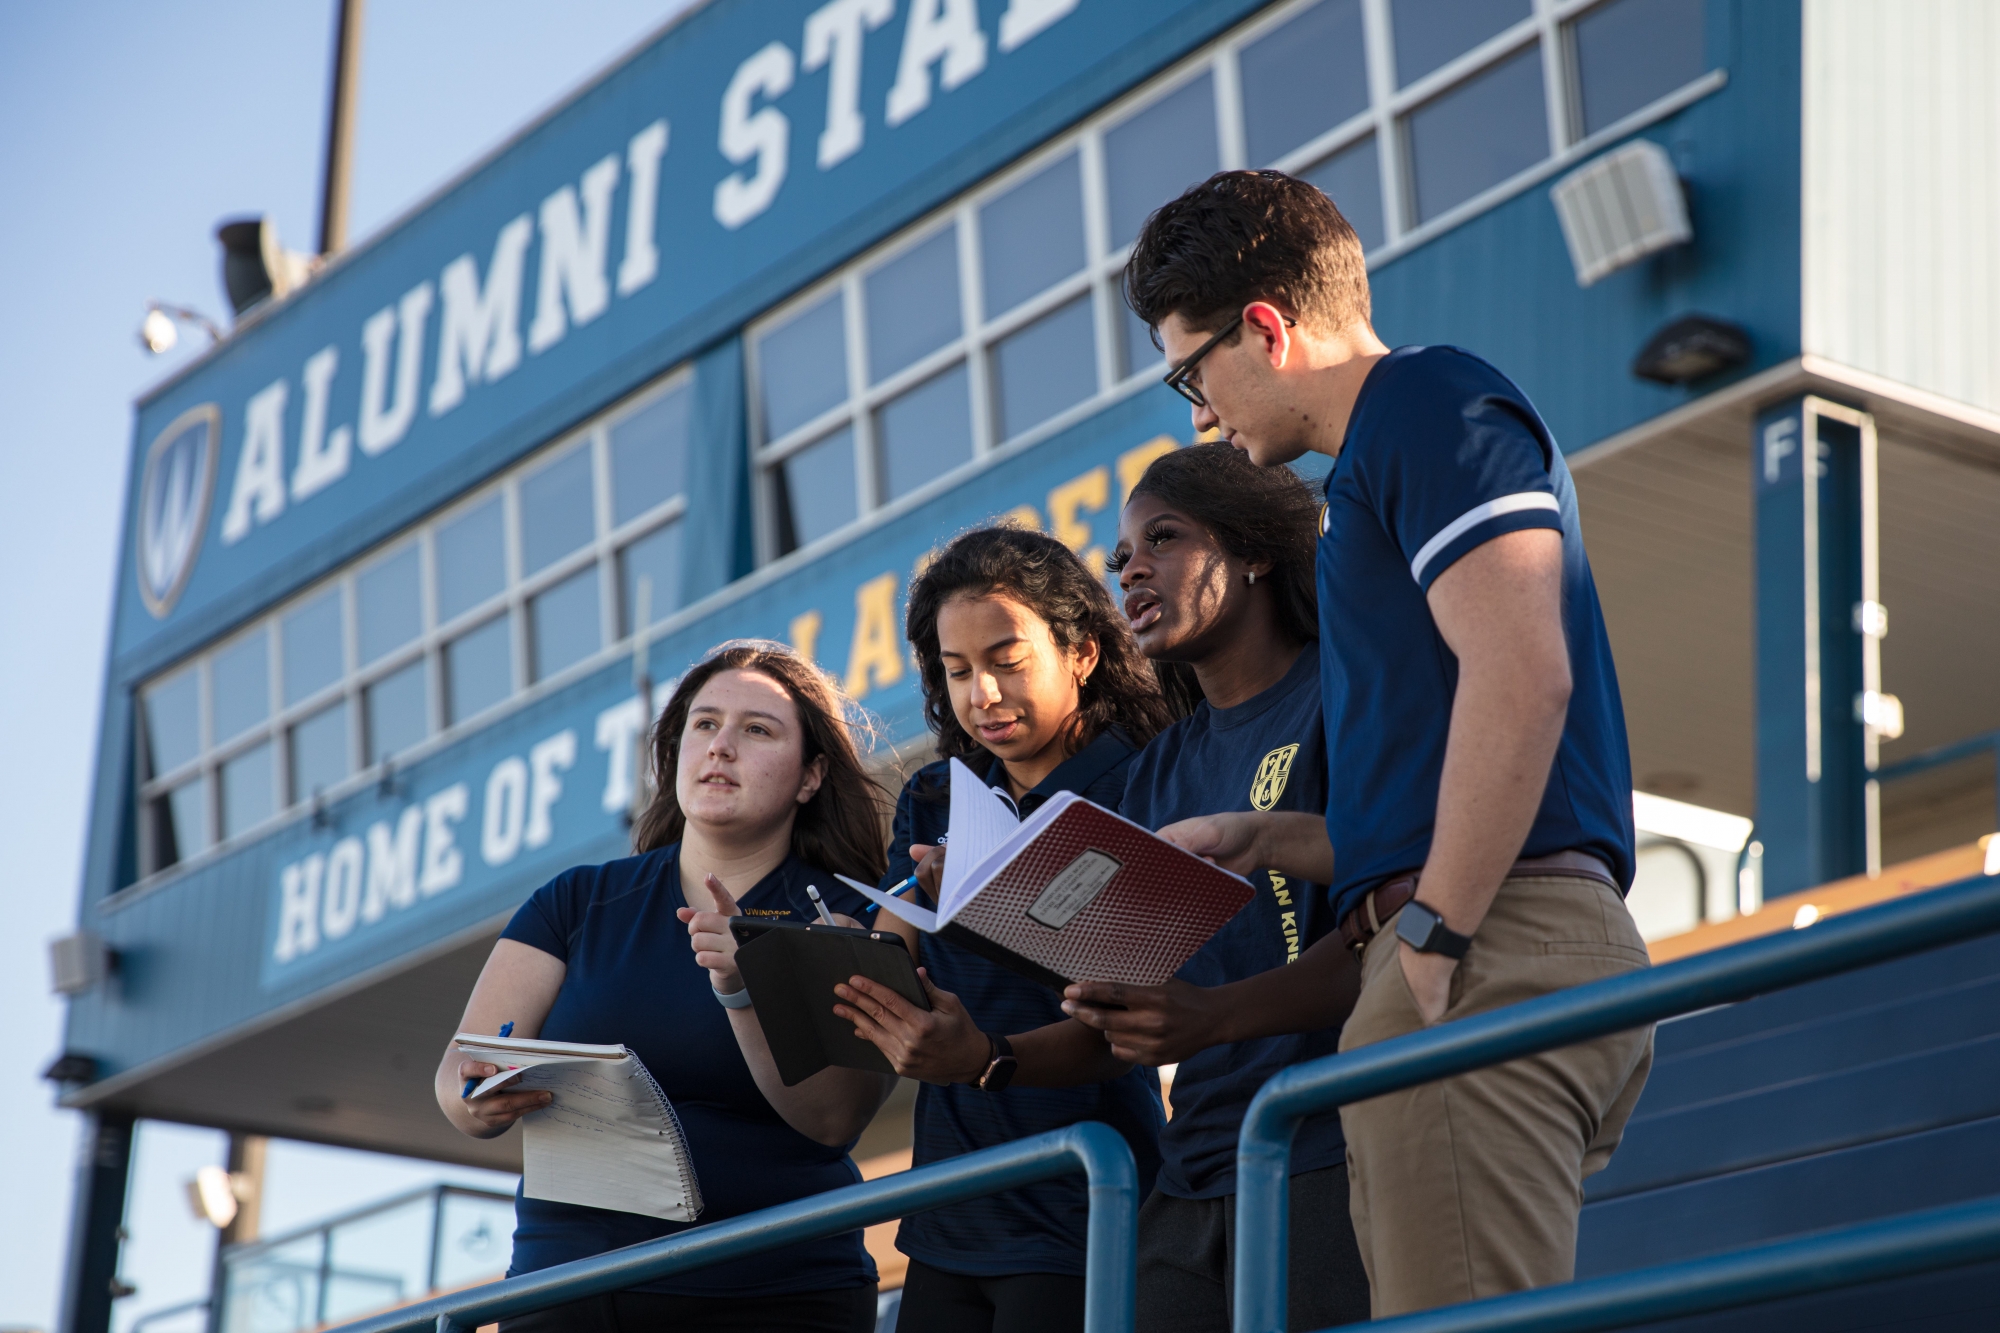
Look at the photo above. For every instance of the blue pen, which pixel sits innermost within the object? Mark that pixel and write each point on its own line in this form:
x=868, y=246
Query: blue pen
x=506, y=1030
x=896, y=892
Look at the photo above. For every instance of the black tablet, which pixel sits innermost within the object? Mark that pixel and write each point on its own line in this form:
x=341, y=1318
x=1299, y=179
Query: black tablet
x=791, y=969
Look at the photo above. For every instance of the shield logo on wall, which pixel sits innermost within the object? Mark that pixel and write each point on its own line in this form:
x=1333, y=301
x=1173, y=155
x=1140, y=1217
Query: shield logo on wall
x=175, y=491
x=1269, y=784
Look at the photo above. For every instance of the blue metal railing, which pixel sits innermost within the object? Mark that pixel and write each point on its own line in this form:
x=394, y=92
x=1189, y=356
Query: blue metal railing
x=1837, y=944
x=1096, y=1150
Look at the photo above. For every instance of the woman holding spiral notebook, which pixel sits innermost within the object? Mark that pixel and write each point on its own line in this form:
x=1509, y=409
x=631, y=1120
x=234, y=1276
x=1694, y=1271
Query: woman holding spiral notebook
x=761, y=793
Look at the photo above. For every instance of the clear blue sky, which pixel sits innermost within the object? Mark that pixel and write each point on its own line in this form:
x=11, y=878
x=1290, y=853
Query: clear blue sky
x=131, y=129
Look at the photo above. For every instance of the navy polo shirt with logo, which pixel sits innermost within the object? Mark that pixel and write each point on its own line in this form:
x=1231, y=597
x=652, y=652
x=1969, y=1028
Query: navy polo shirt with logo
x=1442, y=454
x=1037, y=1228
x=1266, y=753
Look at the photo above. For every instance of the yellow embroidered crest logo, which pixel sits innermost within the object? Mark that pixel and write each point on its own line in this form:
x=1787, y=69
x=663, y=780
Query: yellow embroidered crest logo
x=1269, y=784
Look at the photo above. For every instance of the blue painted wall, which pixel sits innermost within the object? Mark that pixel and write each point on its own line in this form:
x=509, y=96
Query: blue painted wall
x=202, y=944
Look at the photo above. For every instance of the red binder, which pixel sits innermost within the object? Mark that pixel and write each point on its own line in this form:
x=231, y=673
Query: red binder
x=1086, y=896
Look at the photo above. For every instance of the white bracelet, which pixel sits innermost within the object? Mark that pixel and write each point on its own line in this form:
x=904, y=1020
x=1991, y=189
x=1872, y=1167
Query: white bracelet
x=732, y=999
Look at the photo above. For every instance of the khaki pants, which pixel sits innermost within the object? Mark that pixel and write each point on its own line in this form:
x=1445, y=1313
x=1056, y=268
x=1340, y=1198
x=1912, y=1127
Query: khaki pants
x=1471, y=1187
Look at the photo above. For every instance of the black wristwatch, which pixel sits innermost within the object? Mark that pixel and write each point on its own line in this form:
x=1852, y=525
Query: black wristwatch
x=1000, y=1065
x=1425, y=931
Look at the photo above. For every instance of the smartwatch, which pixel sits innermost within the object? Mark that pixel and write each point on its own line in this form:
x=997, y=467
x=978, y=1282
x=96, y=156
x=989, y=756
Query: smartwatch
x=1425, y=931
x=1000, y=1065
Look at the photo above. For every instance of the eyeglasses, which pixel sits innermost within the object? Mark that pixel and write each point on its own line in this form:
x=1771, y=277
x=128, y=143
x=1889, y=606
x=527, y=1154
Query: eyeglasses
x=1181, y=378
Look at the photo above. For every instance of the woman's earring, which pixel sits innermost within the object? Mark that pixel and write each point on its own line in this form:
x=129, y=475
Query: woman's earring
x=1251, y=577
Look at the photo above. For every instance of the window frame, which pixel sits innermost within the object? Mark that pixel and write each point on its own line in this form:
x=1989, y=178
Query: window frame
x=602, y=551
x=1547, y=28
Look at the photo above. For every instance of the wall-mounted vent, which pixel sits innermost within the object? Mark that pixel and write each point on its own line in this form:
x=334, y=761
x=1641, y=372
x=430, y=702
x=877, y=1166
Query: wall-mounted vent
x=1619, y=208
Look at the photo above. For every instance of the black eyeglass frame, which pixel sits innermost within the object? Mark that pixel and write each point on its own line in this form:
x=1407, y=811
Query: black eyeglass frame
x=1177, y=378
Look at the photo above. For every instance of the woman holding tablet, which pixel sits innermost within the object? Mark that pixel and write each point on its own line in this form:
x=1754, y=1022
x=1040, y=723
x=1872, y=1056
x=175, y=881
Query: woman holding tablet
x=1031, y=680
x=761, y=792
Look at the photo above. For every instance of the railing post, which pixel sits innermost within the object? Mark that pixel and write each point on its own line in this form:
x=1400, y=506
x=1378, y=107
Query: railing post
x=1263, y=1217
x=1110, y=1274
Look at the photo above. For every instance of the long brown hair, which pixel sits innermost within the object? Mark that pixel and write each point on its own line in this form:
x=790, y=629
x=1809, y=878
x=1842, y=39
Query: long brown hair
x=840, y=828
x=1045, y=576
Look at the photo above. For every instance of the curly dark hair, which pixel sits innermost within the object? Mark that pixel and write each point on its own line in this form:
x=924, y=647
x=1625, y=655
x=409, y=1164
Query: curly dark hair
x=840, y=828
x=1046, y=577
x=1255, y=514
x=1243, y=236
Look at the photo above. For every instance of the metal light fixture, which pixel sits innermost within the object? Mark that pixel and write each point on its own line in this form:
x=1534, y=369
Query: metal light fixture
x=1692, y=348
x=160, y=330
x=255, y=268
x=216, y=1194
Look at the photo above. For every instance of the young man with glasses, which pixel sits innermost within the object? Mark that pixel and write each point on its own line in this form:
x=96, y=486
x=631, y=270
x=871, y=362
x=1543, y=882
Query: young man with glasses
x=1478, y=834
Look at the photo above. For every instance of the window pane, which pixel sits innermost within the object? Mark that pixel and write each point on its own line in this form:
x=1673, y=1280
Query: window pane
x=1352, y=178
x=246, y=790
x=656, y=556
x=564, y=623
x=395, y=712
x=802, y=367
x=1137, y=352
x=1304, y=78
x=556, y=511
x=311, y=636
x=912, y=305
x=1031, y=237
x=478, y=670
x=1046, y=367
x=925, y=433
x=1632, y=52
x=171, y=712
x=1479, y=134
x=1157, y=154
x=471, y=559
x=813, y=491
x=389, y=605
x=319, y=752
x=180, y=824
x=239, y=680
x=1431, y=32
x=649, y=455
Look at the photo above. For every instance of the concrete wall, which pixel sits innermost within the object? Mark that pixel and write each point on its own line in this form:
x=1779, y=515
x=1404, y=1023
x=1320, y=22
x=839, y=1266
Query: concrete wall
x=1902, y=200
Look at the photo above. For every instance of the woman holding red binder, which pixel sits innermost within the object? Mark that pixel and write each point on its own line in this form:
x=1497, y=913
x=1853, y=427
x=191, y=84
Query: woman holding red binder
x=1031, y=680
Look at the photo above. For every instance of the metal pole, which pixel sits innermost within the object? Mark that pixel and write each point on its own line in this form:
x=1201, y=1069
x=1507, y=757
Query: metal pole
x=1263, y=1156
x=97, y=1223
x=340, y=128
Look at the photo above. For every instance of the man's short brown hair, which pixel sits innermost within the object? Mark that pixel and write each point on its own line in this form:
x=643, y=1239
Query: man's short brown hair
x=1243, y=236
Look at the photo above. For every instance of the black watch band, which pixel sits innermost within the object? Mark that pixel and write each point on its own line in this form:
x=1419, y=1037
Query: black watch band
x=1000, y=1064
x=1425, y=931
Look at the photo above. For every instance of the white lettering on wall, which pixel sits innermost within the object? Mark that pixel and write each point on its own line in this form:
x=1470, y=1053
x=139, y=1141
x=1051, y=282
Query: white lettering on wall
x=1027, y=18
x=642, y=209
x=401, y=324
x=573, y=256
x=298, y=908
x=765, y=136
x=443, y=865
x=342, y=907
x=392, y=865
x=946, y=30
x=506, y=811
x=618, y=729
x=259, y=492
x=545, y=762
x=833, y=40
x=322, y=456
x=479, y=338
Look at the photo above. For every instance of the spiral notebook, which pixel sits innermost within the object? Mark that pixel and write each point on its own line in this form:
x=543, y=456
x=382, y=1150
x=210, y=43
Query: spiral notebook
x=1072, y=893
x=609, y=1140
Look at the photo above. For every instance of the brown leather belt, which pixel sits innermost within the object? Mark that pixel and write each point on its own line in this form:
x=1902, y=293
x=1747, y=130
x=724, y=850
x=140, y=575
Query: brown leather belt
x=1364, y=920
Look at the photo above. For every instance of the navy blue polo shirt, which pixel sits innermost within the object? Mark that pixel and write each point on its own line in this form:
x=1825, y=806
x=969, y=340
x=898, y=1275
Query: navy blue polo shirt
x=1040, y=1228
x=1444, y=453
x=632, y=978
x=1266, y=753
